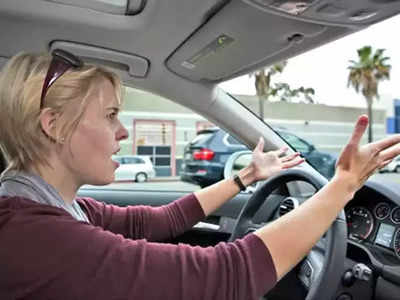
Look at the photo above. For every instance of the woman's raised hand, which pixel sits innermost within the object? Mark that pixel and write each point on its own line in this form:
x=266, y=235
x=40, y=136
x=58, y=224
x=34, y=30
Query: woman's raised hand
x=267, y=164
x=356, y=163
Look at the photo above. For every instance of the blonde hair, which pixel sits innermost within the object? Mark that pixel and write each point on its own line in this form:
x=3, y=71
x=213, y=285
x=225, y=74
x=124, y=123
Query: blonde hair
x=22, y=139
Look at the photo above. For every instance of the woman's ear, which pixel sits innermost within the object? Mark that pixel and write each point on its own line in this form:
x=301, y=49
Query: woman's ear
x=48, y=119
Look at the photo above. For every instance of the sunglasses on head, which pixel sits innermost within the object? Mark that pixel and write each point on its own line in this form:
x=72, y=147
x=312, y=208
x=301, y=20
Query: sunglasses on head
x=61, y=62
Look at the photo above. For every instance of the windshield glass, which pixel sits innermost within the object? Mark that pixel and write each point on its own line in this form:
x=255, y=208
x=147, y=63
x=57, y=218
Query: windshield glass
x=313, y=100
x=309, y=102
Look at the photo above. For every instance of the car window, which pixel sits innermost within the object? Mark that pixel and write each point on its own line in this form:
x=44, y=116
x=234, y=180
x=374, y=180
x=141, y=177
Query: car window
x=160, y=131
x=186, y=150
x=133, y=160
x=201, y=138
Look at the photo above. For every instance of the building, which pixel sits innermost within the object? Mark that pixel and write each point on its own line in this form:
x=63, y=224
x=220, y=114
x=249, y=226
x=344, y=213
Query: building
x=161, y=128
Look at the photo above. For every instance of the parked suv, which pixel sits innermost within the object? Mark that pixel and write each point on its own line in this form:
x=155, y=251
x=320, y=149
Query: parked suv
x=205, y=156
x=134, y=167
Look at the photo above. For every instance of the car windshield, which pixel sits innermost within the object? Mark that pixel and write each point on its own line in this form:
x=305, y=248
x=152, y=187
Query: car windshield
x=314, y=113
x=312, y=100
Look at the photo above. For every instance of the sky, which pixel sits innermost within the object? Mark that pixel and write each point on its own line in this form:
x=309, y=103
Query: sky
x=311, y=69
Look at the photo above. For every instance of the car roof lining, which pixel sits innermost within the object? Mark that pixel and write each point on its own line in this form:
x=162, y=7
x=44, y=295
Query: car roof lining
x=168, y=33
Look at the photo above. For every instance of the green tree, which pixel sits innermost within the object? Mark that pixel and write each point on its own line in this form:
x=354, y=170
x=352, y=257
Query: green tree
x=263, y=83
x=366, y=73
x=287, y=94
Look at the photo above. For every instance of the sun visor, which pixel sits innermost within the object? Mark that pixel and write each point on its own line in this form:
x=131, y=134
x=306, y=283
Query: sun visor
x=127, y=66
x=233, y=41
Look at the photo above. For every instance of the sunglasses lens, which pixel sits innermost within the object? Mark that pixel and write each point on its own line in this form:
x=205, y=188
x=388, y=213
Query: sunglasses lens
x=61, y=62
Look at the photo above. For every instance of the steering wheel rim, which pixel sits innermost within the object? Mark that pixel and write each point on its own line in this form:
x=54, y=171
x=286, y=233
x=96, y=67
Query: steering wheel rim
x=326, y=283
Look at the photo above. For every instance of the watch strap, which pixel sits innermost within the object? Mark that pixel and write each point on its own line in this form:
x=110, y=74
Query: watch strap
x=239, y=182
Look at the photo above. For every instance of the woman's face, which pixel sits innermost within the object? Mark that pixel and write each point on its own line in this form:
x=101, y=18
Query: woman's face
x=96, y=138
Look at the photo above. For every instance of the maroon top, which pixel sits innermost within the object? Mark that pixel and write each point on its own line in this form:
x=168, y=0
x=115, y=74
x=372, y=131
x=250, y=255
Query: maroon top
x=46, y=254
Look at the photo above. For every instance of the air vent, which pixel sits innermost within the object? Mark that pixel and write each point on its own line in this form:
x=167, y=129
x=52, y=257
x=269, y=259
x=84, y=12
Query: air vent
x=287, y=205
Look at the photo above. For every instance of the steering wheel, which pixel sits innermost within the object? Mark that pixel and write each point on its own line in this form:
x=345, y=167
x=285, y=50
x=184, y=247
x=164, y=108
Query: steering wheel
x=322, y=269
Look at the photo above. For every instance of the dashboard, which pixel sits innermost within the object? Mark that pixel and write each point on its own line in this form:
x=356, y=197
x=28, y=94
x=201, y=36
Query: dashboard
x=373, y=224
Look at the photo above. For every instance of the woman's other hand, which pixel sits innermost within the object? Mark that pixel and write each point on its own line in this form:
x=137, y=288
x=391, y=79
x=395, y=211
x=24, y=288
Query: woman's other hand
x=356, y=163
x=267, y=164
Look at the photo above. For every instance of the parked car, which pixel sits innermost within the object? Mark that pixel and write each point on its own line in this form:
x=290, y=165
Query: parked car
x=133, y=167
x=205, y=156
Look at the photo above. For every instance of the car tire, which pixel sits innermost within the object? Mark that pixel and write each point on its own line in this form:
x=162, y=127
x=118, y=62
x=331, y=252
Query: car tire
x=397, y=169
x=141, y=177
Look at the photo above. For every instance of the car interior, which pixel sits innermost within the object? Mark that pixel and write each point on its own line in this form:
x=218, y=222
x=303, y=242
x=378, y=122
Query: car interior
x=182, y=50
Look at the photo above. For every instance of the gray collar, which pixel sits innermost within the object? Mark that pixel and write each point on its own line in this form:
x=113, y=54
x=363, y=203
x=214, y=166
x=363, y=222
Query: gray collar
x=32, y=186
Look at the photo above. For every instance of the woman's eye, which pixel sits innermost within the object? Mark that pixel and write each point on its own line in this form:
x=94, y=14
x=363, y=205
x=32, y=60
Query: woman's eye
x=112, y=116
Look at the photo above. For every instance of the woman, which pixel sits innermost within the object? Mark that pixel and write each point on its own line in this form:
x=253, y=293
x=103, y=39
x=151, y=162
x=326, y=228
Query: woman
x=59, y=129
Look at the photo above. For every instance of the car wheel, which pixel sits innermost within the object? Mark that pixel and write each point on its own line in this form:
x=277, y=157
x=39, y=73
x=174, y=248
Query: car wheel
x=141, y=177
x=397, y=170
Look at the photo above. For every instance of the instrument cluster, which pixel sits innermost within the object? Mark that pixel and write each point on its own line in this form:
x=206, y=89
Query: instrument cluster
x=378, y=224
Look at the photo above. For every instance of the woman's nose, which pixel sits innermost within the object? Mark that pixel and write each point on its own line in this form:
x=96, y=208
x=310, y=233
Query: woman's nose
x=122, y=132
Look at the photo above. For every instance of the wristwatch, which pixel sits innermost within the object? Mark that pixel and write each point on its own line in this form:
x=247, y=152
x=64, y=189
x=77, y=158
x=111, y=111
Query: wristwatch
x=239, y=182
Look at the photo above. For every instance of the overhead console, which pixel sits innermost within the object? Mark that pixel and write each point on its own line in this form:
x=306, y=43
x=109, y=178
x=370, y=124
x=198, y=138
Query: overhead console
x=247, y=34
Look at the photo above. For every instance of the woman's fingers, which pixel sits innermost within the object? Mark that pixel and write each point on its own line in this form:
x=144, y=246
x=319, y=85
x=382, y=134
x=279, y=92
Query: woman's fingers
x=359, y=129
x=385, y=163
x=260, y=144
x=391, y=152
x=281, y=151
x=290, y=157
x=292, y=163
x=386, y=143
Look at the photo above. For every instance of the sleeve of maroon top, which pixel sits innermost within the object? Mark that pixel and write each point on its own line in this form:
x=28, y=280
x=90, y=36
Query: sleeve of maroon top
x=76, y=260
x=145, y=222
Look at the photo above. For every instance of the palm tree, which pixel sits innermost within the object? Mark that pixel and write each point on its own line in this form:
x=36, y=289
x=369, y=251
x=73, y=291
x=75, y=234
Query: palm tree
x=366, y=73
x=263, y=83
x=287, y=94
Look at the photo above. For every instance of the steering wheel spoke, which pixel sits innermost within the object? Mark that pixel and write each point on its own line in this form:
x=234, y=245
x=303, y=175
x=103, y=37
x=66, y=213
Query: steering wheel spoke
x=310, y=268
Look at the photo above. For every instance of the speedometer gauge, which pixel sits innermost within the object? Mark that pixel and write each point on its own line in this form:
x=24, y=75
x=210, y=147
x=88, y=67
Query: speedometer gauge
x=395, y=215
x=360, y=222
x=382, y=211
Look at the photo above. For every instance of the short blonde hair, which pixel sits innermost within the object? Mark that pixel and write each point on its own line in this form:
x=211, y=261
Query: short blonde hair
x=21, y=136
